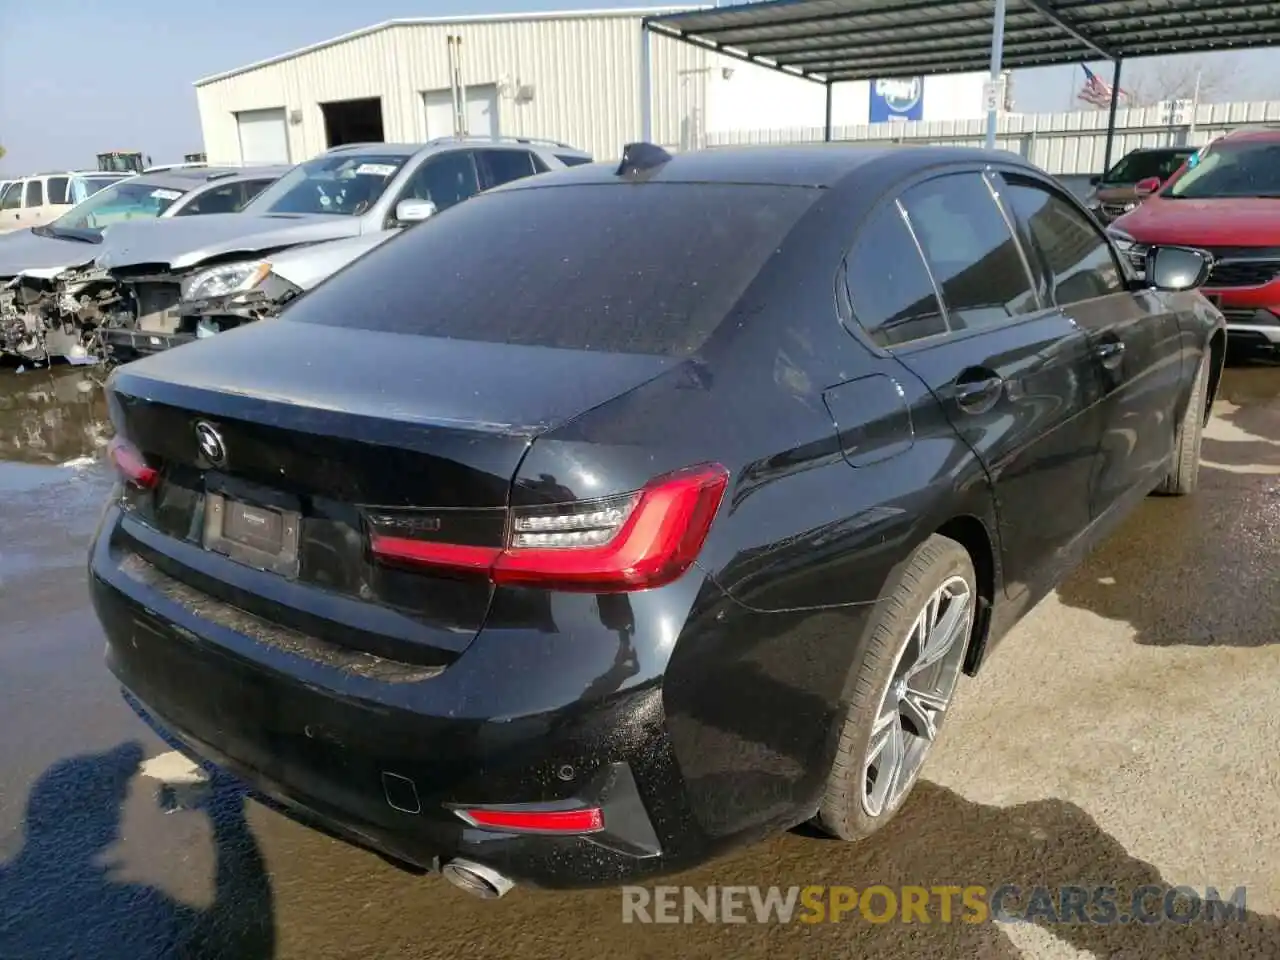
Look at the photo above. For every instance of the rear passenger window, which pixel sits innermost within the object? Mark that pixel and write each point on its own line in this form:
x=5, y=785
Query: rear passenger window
x=1073, y=252
x=224, y=199
x=971, y=251
x=503, y=166
x=35, y=194
x=58, y=190
x=889, y=288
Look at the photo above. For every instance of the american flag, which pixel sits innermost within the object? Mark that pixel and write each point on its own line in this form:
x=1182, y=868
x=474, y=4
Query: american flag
x=1096, y=90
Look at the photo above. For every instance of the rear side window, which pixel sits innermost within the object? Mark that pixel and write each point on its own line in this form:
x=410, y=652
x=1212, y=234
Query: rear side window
x=890, y=290
x=971, y=251
x=502, y=166
x=569, y=160
x=35, y=194
x=227, y=198
x=1072, y=251
x=627, y=268
x=58, y=190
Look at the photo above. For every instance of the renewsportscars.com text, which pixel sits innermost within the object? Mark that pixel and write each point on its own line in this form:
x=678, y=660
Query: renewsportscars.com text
x=1005, y=903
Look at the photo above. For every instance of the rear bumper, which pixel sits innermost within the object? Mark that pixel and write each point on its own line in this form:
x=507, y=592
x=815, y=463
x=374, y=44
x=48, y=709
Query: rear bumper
x=381, y=763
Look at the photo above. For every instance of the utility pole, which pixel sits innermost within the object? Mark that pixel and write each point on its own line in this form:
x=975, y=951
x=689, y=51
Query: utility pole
x=997, y=55
x=1195, y=106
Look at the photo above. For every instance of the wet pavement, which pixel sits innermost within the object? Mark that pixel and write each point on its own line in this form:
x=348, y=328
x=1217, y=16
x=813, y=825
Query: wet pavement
x=1125, y=734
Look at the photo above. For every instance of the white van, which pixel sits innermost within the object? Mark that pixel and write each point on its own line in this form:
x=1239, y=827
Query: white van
x=35, y=200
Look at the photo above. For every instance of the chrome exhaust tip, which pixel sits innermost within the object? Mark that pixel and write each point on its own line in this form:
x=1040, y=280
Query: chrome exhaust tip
x=477, y=879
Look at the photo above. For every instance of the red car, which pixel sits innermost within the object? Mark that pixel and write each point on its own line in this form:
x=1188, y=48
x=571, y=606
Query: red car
x=1225, y=199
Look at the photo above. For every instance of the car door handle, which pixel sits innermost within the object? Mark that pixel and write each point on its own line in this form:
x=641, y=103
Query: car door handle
x=976, y=391
x=1110, y=353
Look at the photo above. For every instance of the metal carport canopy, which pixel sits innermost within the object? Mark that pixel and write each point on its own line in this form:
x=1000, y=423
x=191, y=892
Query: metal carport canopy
x=833, y=41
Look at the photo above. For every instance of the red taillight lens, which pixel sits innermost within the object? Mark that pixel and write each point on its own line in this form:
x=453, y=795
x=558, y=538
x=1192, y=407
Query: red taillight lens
x=586, y=820
x=632, y=542
x=642, y=541
x=131, y=464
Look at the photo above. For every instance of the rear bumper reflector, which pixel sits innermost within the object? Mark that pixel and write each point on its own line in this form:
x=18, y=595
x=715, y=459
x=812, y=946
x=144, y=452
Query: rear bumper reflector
x=584, y=820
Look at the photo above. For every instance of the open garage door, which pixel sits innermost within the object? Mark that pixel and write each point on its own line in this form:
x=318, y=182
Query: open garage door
x=353, y=121
x=482, y=111
x=264, y=136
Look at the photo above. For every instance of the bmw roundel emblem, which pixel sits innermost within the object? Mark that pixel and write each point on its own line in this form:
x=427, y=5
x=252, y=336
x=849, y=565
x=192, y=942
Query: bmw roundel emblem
x=211, y=444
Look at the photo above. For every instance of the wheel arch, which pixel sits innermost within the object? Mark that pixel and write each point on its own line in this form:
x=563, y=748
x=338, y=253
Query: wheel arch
x=1217, y=361
x=972, y=534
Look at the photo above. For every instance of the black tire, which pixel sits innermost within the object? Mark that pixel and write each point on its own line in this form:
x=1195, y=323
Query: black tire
x=841, y=812
x=1184, y=473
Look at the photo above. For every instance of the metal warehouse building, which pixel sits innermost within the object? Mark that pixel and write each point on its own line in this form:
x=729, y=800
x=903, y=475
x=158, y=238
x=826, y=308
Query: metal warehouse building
x=574, y=77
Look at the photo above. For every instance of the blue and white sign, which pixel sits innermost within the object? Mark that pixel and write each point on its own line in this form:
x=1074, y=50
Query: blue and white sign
x=897, y=99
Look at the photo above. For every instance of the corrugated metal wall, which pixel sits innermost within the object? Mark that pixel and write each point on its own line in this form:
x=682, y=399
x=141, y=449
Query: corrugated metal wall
x=1062, y=143
x=584, y=71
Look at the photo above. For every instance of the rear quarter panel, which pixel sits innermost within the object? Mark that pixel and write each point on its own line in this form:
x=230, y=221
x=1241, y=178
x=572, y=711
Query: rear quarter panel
x=1199, y=321
x=805, y=545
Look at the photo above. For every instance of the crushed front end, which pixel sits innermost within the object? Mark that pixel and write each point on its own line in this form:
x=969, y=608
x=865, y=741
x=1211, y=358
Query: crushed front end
x=173, y=308
x=43, y=317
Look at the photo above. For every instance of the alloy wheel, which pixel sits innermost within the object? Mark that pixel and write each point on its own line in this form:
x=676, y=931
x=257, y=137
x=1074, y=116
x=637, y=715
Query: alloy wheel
x=916, y=698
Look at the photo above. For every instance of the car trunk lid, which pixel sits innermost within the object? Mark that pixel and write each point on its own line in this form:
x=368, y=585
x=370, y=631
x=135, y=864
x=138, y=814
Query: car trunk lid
x=305, y=438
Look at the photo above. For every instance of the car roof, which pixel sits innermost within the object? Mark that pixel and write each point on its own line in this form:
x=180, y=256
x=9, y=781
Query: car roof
x=70, y=173
x=445, y=143
x=189, y=178
x=809, y=165
x=247, y=173
x=1253, y=134
x=385, y=149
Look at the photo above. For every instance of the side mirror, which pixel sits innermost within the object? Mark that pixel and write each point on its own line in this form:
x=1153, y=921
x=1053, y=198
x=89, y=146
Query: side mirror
x=1095, y=180
x=1177, y=268
x=412, y=211
x=1144, y=188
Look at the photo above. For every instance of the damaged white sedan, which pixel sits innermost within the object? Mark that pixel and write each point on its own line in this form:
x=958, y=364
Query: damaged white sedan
x=53, y=296
x=189, y=281
x=227, y=296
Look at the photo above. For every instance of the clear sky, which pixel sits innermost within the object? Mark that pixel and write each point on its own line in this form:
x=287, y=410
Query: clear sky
x=81, y=76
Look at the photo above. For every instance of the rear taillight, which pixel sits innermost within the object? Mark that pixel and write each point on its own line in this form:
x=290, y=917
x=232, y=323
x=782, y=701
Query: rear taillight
x=131, y=465
x=635, y=541
x=515, y=820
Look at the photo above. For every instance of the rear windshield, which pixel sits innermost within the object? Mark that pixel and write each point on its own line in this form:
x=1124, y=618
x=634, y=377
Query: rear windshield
x=626, y=268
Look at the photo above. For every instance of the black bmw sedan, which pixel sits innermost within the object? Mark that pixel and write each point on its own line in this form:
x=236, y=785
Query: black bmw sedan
x=625, y=514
